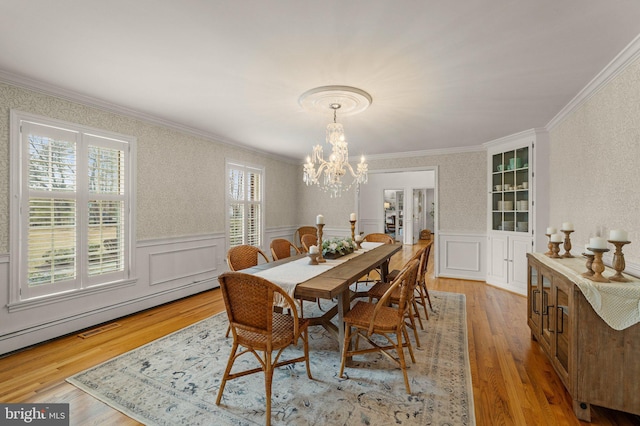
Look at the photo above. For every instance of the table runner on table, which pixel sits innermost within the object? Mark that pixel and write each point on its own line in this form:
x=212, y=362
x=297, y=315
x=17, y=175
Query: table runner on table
x=289, y=274
x=618, y=304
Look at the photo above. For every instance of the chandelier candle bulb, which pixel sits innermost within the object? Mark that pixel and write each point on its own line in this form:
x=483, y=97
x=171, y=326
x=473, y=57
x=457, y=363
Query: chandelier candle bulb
x=618, y=235
x=567, y=226
x=551, y=231
x=597, y=243
x=319, y=220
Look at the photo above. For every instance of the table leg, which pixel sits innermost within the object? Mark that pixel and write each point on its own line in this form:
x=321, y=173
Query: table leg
x=344, y=304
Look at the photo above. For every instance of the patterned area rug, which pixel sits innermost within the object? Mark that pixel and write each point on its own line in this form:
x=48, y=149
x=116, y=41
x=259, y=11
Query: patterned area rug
x=174, y=380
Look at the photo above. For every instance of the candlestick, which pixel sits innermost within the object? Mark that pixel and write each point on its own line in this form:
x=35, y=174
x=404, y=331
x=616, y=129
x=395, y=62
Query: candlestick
x=313, y=258
x=321, y=258
x=353, y=228
x=555, y=249
x=567, y=226
x=589, y=264
x=551, y=230
x=618, y=262
x=359, y=241
x=567, y=243
x=549, y=246
x=597, y=266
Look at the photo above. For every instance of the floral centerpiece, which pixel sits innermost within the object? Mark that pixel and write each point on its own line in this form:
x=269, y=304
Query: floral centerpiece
x=337, y=247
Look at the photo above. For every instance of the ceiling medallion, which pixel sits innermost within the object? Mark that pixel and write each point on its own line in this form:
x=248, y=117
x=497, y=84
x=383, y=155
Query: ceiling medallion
x=325, y=174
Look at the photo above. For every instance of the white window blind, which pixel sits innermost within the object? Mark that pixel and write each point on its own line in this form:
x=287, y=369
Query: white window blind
x=74, y=208
x=245, y=204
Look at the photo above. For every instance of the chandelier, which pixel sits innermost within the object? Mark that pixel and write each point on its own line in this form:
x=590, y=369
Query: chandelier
x=330, y=175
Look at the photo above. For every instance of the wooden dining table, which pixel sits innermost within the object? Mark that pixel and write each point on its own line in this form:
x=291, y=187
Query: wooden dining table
x=336, y=282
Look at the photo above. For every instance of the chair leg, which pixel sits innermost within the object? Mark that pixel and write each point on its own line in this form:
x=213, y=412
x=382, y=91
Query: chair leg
x=426, y=290
x=417, y=314
x=423, y=302
x=227, y=371
x=268, y=378
x=406, y=339
x=412, y=320
x=403, y=364
x=305, y=343
x=228, y=330
x=345, y=348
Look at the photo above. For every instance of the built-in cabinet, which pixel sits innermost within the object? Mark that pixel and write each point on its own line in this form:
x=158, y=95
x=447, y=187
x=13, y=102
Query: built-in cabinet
x=597, y=364
x=516, y=205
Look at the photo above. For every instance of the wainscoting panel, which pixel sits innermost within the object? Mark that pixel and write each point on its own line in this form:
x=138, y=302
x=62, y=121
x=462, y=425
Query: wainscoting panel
x=165, y=270
x=462, y=256
x=182, y=265
x=370, y=226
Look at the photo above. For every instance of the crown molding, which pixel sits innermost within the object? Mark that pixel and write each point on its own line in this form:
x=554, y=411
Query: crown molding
x=72, y=96
x=424, y=153
x=627, y=56
x=515, y=137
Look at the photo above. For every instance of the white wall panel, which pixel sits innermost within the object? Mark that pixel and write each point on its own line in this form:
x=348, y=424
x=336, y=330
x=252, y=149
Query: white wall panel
x=462, y=255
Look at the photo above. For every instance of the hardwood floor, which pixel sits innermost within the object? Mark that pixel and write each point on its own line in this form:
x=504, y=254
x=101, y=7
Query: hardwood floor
x=513, y=382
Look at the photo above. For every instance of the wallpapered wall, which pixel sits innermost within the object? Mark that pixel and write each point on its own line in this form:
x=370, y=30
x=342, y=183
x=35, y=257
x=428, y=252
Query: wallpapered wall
x=595, y=164
x=461, y=185
x=180, y=177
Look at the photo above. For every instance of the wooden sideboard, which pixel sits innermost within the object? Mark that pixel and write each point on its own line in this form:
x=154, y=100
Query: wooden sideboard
x=597, y=364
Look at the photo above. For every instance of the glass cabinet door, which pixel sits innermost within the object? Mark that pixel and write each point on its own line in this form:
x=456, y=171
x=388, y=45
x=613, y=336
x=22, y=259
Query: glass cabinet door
x=510, y=191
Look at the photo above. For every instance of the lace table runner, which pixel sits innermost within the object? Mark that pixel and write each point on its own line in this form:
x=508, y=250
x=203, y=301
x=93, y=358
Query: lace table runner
x=618, y=304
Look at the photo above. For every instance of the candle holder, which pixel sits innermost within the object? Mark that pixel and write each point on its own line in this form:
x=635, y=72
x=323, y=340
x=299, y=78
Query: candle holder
x=618, y=262
x=353, y=230
x=313, y=258
x=321, y=258
x=567, y=243
x=549, y=246
x=597, y=266
x=589, y=272
x=555, y=250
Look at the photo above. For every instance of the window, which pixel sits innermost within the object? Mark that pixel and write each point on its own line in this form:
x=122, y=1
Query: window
x=72, y=194
x=244, y=204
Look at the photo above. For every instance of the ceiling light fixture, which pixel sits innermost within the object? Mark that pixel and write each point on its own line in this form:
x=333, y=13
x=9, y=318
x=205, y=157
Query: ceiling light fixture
x=328, y=175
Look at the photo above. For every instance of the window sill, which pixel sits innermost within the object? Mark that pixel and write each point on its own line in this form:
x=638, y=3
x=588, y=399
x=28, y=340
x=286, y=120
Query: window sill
x=37, y=302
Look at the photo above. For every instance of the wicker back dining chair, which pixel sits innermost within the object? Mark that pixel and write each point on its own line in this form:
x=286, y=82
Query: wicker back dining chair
x=309, y=240
x=381, y=287
x=244, y=256
x=300, y=232
x=421, y=287
x=377, y=237
x=379, y=318
x=249, y=300
x=281, y=249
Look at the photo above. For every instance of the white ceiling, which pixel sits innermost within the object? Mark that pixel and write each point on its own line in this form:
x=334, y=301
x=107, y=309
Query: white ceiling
x=441, y=73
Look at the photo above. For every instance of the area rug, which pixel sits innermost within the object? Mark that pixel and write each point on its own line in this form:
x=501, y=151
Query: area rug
x=174, y=380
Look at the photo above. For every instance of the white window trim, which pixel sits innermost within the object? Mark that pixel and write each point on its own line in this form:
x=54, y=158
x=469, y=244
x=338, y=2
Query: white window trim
x=230, y=163
x=16, y=222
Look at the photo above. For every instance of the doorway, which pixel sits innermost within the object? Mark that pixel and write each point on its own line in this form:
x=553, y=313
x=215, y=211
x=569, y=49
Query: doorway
x=393, y=205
